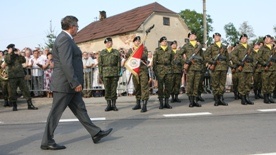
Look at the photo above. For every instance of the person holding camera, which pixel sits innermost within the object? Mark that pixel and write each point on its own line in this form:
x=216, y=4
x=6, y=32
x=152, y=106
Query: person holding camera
x=16, y=78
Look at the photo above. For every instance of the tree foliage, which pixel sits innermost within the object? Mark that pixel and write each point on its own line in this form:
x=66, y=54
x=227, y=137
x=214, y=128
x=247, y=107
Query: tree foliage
x=247, y=29
x=194, y=22
x=232, y=35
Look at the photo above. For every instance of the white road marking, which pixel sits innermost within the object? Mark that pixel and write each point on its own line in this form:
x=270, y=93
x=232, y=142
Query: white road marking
x=266, y=110
x=187, y=114
x=76, y=120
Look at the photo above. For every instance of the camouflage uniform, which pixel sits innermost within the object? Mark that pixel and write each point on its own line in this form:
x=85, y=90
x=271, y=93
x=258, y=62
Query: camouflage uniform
x=257, y=75
x=141, y=86
x=269, y=74
x=177, y=70
x=109, y=70
x=163, y=71
x=16, y=79
x=219, y=57
x=244, y=76
x=194, y=73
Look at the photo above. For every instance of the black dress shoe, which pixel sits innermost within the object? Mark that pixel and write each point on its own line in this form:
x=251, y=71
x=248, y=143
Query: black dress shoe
x=100, y=135
x=52, y=147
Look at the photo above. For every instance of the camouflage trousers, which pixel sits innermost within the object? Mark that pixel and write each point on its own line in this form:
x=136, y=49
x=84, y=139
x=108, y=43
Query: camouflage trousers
x=167, y=82
x=194, y=79
x=5, y=87
x=110, y=85
x=268, y=81
x=141, y=87
x=21, y=83
x=245, y=82
x=257, y=77
x=235, y=80
x=218, y=81
x=176, y=83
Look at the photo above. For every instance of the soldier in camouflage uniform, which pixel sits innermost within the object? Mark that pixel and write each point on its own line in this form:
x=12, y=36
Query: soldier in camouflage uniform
x=16, y=78
x=177, y=69
x=243, y=58
x=218, y=58
x=195, y=61
x=268, y=60
x=162, y=68
x=109, y=63
x=4, y=82
x=257, y=75
x=141, y=86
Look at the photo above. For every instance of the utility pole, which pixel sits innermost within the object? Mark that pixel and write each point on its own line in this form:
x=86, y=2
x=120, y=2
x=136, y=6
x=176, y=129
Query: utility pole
x=204, y=24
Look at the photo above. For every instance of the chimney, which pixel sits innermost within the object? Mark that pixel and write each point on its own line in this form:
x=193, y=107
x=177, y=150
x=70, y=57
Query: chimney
x=102, y=15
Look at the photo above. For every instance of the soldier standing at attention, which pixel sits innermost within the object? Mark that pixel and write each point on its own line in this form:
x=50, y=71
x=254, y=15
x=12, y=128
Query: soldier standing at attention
x=243, y=58
x=162, y=58
x=268, y=60
x=16, y=78
x=109, y=63
x=195, y=64
x=257, y=75
x=177, y=69
x=141, y=86
x=218, y=58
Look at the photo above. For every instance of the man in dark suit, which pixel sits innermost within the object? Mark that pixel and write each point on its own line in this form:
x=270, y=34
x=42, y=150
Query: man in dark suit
x=67, y=81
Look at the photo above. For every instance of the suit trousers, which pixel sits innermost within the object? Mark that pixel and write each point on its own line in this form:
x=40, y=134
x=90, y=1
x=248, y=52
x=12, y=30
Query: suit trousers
x=75, y=102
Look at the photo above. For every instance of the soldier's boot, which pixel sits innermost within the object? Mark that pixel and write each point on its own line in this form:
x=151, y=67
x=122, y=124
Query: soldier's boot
x=243, y=101
x=161, y=103
x=108, y=107
x=236, y=95
x=256, y=94
x=113, y=105
x=14, y=105
x=221, y=100
x=30, y=105
x=138, y=105
x=144, y=108
x=199, y=98
x=6, y=103
x=167, y=104
x=173, y=99
x=266, y=100
x=176, y=99
x=270, y=98
x=216, y=100
x=260, y=94
x=191, y=99
x=196, y=104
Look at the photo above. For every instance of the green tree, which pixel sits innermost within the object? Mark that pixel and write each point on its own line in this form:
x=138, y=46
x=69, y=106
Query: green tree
x=51, y=37
x=232, y=35
x=247, y=29
x=194, y=22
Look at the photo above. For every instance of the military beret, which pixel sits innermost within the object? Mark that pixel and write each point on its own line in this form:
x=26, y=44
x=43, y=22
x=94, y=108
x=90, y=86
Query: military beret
x=162, y=39
x=107, y=40
x=10, y=46
x=267, y=36
x=137, y=38
x=173, y=42
x=190, y=33
x=216, y=34
x=243, y=35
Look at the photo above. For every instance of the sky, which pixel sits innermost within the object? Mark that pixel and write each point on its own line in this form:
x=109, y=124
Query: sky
x=26, y=23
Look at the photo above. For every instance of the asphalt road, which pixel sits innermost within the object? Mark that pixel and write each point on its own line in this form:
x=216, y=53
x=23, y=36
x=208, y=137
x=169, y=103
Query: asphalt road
x=235, y=129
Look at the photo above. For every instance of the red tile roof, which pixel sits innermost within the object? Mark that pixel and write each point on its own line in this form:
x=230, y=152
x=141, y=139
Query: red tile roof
x=121, y=23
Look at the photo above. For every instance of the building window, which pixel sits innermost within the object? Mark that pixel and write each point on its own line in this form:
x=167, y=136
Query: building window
x=166, y=21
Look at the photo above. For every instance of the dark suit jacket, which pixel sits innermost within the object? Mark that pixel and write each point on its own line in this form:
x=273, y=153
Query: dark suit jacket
x=68, y=67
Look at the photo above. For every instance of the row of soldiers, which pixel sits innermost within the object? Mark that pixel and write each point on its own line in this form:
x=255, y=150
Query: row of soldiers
x=169, y=64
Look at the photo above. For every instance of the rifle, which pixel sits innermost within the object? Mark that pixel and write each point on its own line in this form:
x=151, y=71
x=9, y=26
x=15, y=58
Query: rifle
x=213, y=66
x=244, y=58
x=190, y=60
